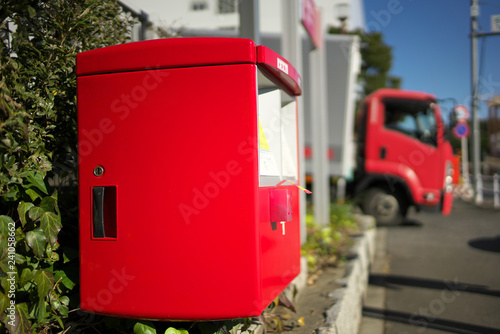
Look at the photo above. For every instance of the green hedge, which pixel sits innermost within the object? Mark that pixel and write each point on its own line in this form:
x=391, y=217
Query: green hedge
x=38, y=154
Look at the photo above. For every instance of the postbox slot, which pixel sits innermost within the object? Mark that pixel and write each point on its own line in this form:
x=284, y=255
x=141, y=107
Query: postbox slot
x=280, y=205
x=104, y=212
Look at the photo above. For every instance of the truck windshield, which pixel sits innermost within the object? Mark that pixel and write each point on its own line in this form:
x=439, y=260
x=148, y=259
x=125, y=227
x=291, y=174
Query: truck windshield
x=414, y=118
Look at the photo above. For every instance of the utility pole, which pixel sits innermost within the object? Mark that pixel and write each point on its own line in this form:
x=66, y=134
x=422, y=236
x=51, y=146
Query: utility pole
x=249, y=20
x=476, y=147
x=291, y=48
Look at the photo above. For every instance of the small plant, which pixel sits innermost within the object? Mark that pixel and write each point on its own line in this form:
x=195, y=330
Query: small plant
x=147, y=327
x=324, y=244
x=274, y=321
x=200, y=327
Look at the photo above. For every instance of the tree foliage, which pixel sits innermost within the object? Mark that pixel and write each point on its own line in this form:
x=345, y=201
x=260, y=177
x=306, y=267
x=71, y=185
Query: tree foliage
x=39, y=41
x=376, y=61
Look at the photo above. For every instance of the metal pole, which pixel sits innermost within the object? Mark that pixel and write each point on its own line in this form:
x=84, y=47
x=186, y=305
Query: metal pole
x=249, y=20
x=465, y=161
x=321, y=184
x=479, y=189
x=143, y=18
x=496, y=192
x=291, y=46
x=476, y=148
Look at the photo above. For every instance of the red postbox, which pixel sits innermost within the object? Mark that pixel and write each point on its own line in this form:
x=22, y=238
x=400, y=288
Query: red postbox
x=183, y=147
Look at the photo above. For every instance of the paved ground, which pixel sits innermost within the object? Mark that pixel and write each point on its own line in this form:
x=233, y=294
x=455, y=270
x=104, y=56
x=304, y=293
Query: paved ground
x=312, y=303
x=437, y=275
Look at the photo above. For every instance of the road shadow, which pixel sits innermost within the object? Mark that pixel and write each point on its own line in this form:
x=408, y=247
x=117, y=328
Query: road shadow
x=486, y=244
x=421, y=322
x=405, y=223
x=395, y=281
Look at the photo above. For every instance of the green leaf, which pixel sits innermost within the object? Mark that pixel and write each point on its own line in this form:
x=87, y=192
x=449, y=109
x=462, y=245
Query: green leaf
x=171, y=330
x=36, y=179
x=64, y=300
x=63, y=310
x=48, y=204
x=11, y=194
x=32, y=194
x=55, y=303
x=144, y=327
x=10, y=162
x=22, y=209
x=4, y=283
x=5, y=223
x=31, y=11
x=44, y=282
x=51, y=225
x=59, y=321
x=60, y=274
x=55, y=194
x=4, y=302
x=37, y=241
x=20, y=259
x=41, y=311
x=35, y=212
x=26, y=276
x=22, y=325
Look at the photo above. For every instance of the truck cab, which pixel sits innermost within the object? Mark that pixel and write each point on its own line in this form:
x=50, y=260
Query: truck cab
x=402, y=155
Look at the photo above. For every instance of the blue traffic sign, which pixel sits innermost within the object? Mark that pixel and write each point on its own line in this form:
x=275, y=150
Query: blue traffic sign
x=461, y=130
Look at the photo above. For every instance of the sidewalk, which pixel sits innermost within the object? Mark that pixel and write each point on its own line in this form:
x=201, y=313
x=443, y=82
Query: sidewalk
x=333, y=304
x=373, y=321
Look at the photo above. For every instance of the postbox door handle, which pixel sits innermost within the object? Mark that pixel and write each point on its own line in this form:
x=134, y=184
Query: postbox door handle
x=104, y=212
x=98, y=214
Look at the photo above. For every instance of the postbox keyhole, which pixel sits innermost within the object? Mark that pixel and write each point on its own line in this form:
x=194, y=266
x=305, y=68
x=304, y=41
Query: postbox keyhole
x=98, y=171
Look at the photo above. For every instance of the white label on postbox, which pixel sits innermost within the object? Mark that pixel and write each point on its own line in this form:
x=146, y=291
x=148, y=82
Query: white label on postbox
x=283, y=66
x=289, y=141
x=270, y=133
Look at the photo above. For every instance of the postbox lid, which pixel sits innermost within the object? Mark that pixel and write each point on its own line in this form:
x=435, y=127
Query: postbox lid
x=166, y=53
x=188, y=52
x=279, y=70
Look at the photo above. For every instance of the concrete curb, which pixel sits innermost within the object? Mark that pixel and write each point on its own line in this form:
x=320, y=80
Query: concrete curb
x=344, y=317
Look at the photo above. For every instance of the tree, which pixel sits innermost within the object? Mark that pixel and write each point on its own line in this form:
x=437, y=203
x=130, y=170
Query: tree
x=376, y=61
x=39, y=41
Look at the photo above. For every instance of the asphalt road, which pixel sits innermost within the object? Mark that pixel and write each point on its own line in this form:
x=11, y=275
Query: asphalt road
x=437, y=274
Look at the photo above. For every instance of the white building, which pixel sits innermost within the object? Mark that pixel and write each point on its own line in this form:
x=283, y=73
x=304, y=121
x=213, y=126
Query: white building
x=223, y=14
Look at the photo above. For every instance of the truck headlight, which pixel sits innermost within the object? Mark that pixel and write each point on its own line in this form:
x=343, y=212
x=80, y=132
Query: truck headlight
x=448, y=176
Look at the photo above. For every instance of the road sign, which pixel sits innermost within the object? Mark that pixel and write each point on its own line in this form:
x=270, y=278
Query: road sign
x=462, y=113
x=461, y=130
x=495, y=23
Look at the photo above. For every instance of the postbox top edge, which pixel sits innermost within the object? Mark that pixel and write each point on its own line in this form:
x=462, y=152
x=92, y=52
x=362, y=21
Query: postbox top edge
x=151, y=54
x=280, y=69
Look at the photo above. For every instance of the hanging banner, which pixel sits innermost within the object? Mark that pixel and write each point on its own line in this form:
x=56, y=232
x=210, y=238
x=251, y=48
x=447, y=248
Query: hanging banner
x=310, y=18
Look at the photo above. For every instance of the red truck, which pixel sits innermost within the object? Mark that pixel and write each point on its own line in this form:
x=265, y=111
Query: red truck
x=403, y=158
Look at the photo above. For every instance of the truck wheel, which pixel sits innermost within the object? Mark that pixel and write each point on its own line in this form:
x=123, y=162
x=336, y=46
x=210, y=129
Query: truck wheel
x=384, y=207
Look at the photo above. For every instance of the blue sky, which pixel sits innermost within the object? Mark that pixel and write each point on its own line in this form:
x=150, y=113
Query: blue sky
x=431, y=46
